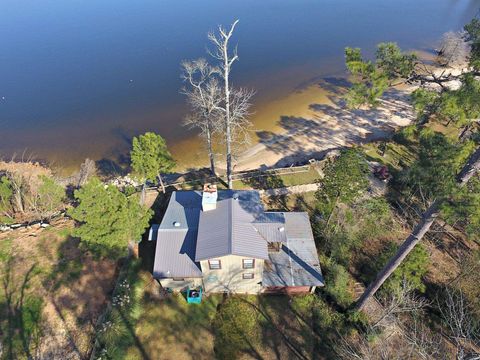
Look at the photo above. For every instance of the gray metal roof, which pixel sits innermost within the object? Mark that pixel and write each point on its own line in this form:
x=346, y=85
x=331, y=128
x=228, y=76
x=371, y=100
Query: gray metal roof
x=238, y=226
x=175, y=248
x=183, y=209
x=175, y=255
x=297, y=262
x=229, y=229
x=272, y=232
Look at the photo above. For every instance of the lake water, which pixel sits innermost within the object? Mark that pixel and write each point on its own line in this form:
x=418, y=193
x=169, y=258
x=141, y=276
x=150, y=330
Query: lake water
x=79, y=78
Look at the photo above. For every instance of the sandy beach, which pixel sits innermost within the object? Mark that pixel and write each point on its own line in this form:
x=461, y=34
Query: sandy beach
x=315, y=127
x=310, y=121
x=314, y=119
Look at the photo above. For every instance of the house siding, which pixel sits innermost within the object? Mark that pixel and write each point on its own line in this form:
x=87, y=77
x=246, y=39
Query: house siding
x=230, y=277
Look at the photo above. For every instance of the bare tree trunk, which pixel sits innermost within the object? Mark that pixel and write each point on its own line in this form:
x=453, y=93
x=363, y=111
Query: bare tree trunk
x=142, y=195
x=428, y=218
x=17, y=196
x=228, y=133
x=222, y=54
x=204, y=96
x=161, y=183
x=210, y=151
x=236, y=102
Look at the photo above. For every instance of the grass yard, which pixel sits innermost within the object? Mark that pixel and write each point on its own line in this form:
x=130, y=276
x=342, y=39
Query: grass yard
x=149, y=326
x=272, y=180
x=395, y=155
x=172, y=329
x=264, y=181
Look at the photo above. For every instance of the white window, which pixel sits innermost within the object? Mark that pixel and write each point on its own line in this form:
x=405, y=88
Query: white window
x=214, y=264
x=247, y=276
x=248, y=263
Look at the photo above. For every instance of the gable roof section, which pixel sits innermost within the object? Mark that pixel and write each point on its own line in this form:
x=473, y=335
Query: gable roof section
x=296, y=264
x=229, y=229
x=271, y=226
x=175, y=245
x=175, y=255
x=184, y=209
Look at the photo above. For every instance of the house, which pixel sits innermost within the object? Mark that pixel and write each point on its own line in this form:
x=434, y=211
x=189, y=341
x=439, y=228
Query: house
x=225, y=241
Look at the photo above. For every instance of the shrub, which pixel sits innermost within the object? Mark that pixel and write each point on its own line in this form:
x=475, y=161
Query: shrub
x=374, y=217
x=303, y=304
x=6, y=193
x=114, y=336
x=236, y=328
x=346, y=178
x=406, y=134
x=337, y=284
x=351, y=226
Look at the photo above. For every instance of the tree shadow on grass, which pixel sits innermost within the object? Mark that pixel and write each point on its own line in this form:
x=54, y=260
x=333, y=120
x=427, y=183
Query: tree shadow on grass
x=20, y=313
x=301, y=204
x=267, y=181
x=79, y=285
x=279, y=322
x=171, y=326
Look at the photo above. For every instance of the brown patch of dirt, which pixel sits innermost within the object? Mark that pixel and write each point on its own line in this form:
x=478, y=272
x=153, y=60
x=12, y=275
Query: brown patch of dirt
x=73, y=285
x=29, y=170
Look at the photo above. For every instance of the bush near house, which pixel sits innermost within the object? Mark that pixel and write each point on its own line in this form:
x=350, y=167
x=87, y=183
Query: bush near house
x=236, y=327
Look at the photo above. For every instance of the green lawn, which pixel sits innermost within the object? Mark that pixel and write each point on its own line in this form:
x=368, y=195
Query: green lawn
x=272, y=180
x=396, y=155
x=173, y=329
x=169, y=328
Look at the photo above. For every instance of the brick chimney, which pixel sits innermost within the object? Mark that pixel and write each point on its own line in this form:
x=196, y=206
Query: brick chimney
x=209, y=197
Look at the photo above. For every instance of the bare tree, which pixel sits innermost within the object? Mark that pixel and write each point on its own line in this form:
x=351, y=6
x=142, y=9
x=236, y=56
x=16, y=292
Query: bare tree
x=87, y=170
x=423, y=342
x=428, y=218
x=236, y=103
x=398, y=334
x=204, y=96
x=20, y=189
x=403, y=300
x=462, y=328
x=454, y=50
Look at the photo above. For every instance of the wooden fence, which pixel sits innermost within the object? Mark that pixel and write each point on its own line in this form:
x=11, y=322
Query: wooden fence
x=240, y=176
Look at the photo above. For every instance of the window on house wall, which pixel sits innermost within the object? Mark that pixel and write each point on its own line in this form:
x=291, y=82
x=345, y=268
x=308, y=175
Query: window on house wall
x=178, y=279
x=248, y=263
x=214, y=264
x=247, y=276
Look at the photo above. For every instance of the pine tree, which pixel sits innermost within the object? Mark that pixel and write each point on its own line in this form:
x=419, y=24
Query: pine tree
x=108, y=219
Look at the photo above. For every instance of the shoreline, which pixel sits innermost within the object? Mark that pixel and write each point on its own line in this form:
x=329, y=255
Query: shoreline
x=304, y=124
